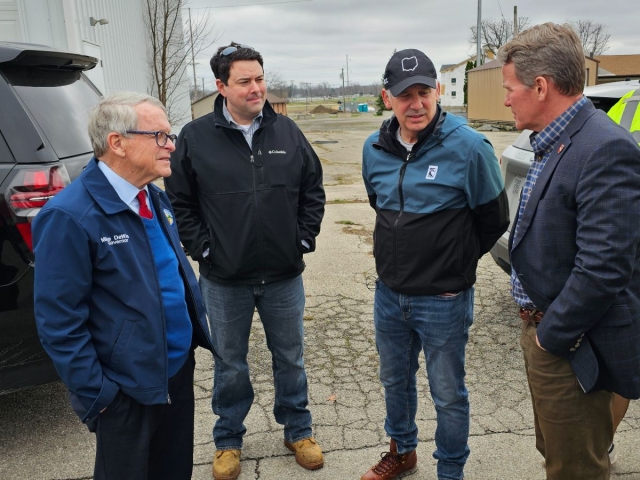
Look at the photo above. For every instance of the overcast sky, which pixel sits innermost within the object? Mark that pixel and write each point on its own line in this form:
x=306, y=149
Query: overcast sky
x=308, y=40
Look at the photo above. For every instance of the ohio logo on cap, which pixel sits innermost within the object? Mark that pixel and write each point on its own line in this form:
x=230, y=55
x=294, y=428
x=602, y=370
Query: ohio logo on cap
x=409, y=64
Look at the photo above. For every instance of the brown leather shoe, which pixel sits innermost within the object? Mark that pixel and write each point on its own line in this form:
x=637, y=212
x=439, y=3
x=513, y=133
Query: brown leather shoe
x=226, y=465
x=392, y=465
x=308, y=453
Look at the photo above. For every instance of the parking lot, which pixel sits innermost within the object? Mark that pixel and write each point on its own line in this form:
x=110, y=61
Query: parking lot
x=41, y=438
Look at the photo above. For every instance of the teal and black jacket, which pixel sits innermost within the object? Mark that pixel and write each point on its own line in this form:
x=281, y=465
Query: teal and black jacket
x=439, y=208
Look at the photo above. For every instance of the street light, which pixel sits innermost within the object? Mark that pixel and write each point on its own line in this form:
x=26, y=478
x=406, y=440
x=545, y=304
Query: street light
x=479, y=35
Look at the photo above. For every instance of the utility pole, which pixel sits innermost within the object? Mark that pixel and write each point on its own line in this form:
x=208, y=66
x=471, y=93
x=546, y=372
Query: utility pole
x=515, y=20
x=479, y=35
x=193, y=59
x=344, y=98
x=306, y=86
x=203, y=86
x=347, y=70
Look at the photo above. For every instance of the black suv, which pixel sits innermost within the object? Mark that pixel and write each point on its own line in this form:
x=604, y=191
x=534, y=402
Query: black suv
x=44, y=107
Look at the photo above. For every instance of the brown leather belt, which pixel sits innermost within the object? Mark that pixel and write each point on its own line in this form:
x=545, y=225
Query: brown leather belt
x=531, y=316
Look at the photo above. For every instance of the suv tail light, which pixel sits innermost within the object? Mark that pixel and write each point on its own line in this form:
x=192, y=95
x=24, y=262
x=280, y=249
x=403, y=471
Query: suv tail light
x=29, y=190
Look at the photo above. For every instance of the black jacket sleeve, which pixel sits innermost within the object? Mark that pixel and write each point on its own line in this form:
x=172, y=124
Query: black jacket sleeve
x=311, y=197
x=492, y=220
x=182, y=189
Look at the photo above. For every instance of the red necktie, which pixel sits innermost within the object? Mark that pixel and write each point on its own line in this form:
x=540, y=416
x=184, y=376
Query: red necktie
x=144, y=209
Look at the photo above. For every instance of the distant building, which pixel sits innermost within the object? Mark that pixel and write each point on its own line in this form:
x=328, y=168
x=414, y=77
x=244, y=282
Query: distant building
x=452, y=83
x=452, y=80
x=203, y=106
x=114, y=32
x=613, y=68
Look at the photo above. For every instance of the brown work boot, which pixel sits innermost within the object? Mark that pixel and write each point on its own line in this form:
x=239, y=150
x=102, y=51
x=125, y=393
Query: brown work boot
x=392, y=465
x=308, y=453
x=226, y=464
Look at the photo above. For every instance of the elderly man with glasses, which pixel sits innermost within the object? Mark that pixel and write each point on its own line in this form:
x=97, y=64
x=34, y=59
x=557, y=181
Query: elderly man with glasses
x=248, y=196
x=117, y=304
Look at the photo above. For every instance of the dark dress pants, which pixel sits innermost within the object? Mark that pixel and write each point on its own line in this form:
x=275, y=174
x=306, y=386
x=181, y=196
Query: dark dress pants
x=148, y=442
x=573, y=429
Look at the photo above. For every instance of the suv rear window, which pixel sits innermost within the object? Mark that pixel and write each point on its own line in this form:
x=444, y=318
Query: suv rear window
x=60, y=101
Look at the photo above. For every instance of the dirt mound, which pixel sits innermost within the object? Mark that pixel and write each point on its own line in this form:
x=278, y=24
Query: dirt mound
x=322, y=109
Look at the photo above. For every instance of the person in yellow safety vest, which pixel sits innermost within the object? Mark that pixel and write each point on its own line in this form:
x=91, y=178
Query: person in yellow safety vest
x=627, y=114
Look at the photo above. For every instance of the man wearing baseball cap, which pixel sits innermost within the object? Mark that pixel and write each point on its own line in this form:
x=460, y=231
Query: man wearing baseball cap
x=440, y=205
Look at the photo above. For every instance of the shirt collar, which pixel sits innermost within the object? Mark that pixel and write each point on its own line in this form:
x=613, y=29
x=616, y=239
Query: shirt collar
x=124, y=189
x=227, y=115
x=543, y=141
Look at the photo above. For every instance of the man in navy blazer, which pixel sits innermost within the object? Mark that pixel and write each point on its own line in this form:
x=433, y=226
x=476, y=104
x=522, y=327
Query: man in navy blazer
x=574, y=253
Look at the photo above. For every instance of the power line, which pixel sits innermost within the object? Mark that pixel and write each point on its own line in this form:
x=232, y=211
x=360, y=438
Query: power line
x=251, y=4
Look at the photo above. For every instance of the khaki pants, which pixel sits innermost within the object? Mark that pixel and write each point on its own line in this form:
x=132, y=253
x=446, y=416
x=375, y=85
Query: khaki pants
x=573, y=430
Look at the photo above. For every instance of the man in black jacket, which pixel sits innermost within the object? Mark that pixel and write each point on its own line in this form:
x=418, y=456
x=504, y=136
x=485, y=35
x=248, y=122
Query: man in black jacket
x=248, y=198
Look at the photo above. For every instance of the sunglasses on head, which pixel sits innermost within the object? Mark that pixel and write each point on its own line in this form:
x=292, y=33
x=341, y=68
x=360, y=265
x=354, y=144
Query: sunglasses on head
x=230, y=50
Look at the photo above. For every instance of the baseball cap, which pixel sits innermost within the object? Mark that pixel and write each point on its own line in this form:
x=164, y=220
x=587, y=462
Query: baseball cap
x=406, y=68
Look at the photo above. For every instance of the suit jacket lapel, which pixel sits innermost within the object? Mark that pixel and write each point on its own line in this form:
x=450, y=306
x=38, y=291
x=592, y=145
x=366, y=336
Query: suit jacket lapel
x=559, y=150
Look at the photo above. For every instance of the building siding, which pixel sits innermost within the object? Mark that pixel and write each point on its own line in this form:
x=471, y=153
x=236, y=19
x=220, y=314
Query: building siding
x=447, y=87
x=122, y=43
x=486, y=96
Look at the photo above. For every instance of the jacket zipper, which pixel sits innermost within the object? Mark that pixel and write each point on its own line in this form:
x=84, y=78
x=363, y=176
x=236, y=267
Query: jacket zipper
x=403, y=169
x=258, y=230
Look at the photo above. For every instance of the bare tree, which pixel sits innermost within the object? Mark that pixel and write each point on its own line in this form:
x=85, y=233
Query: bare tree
x=173, y=46
x=595, y=40
x=496, y=33
x=276, y=84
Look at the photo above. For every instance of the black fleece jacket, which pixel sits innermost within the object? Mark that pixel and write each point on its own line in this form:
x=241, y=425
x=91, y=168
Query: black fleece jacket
x=251, y=206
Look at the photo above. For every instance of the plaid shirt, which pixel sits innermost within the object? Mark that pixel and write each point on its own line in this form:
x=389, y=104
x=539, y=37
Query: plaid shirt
x=543, y=144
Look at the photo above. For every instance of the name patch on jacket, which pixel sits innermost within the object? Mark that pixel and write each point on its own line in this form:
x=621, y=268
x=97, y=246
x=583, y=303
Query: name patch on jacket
x=122, y=238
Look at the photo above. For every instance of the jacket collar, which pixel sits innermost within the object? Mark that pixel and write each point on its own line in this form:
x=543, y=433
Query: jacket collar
x=103, y=192
x=387, y=138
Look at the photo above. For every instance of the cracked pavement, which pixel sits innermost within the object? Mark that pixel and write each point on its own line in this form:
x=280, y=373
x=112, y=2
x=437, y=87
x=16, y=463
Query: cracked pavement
x=41, y=437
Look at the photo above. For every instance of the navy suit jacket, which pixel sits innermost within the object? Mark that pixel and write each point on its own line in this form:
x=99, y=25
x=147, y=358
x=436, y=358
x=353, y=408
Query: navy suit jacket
x=577, y=253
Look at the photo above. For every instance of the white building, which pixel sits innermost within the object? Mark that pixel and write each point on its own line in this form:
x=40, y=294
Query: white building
x=452, y=83
x=112, y=31
x=452, y=80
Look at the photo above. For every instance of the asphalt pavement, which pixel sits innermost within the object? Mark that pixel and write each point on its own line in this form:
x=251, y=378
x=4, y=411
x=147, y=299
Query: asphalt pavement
x=41, y=438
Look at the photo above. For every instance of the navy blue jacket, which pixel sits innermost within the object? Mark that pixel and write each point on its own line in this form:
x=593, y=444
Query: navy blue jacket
x=577, y=253
x=439, y=208
x=98, y=303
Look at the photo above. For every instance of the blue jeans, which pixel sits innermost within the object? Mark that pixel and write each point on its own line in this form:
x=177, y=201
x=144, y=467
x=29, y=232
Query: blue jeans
x=439, y=325
x=230, y=310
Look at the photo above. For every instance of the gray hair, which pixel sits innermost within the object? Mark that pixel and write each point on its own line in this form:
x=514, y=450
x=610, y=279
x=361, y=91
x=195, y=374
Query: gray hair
x=549, y=50
x=116, y=113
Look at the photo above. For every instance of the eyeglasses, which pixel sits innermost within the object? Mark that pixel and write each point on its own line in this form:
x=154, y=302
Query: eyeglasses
x=161, y=137
x=231, y=49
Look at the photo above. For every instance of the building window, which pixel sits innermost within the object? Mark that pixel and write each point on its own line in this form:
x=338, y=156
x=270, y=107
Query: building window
x=453, y=93
x=453, y=81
